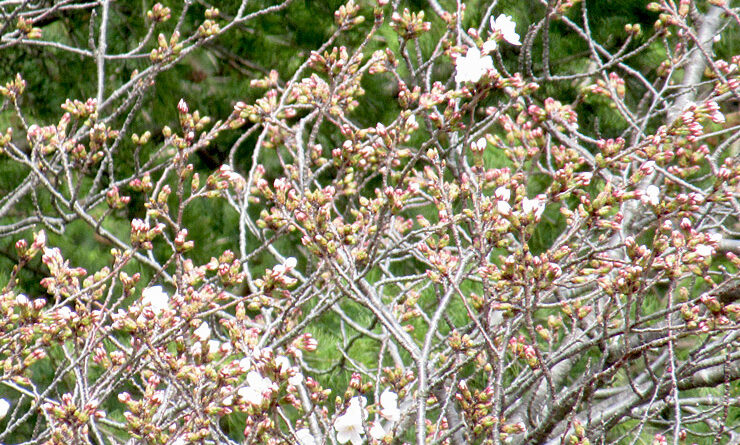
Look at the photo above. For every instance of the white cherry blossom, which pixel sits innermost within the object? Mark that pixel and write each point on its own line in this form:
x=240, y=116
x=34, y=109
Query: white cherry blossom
x=296, y=379
x=489, y=46
x=203, y=332
x=376, y=431
x=214, y=346
x=507, y=27
x=652, y=195
x=472, y=67
x=196, y=349
x=349, y=425
x=704, y=250
x=503, y=193
x=4, y=408
x=156, y=299
x=503, y=208
x=245, y=364
x=254, y=393
x=480, y=144
x=305, y=437
x=282, y=362
x=534, y=206
x=389, y=406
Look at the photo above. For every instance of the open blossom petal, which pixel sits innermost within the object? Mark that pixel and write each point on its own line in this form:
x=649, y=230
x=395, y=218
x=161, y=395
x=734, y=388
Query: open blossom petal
x=296, y=379
x=305, y=437
x=652, y=195
x=507, y=27
x=704, y=250
x=534, y=206
x=376, y=431
x=213, y=346
x=282, y=363
x=203, y=332
x=256, y=389
x=472, y=67
x=389, y=406
x=155, y=298
x=503, y=207
x=502, y=193
x=481, y=143
x=349, y=425
x=4, y=407
x=489, y=46
x=245, y=364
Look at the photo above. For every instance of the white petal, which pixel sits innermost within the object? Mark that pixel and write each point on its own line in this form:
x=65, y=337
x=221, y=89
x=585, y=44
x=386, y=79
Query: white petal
x=503, y=207
x=203, y=332
x=296, y=379
x=490, y=46
x=305, y=437
x=156, y=298
x=377, y=432
x=704, y=250
x=4, y=407
x=503, y=193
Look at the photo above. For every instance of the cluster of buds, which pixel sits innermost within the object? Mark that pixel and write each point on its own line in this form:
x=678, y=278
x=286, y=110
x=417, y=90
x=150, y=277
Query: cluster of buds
x=99, y=134
x=230, y=269
x=226, y=177
x=209, y=27
x=476, y=406
x=14, y=88
x=382, y=61
x=268, y=82
x=166, y=50
x=158, y=206
x=69, y=420
x=317, y=394
x=26, y=253
x=436, y=96
x=47, y=139
x=346, y=16
x=461, y=343
x=64, y=280
x=158, y=13
x=239, y=115
x=340, y=100
x=561, y=113
x=410, y=25
x=181, y=245
x=190, y=124
x=443, y=259
x=690, y=315
x=407, y=308
x=140, y=413
x=25, y=27
x=143, y=184
x=524, y=351
x=278, y=277
x=576, y=310
x=523, y=139
x=81, y=110
x=614, y=88
x=305, y=342
x=142, y=234
x=689, y=125
x=579, y=434
x=399, y=379
x=115, y=200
